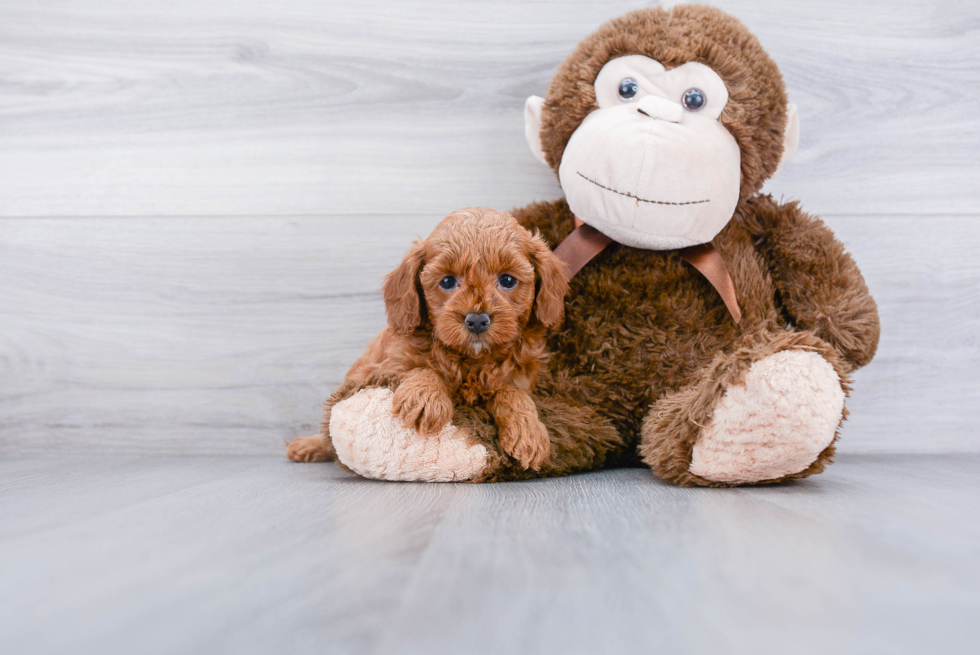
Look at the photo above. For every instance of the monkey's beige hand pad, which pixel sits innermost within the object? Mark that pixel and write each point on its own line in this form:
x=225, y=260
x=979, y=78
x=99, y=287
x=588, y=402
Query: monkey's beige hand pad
x=372, y=442
x=774, y=425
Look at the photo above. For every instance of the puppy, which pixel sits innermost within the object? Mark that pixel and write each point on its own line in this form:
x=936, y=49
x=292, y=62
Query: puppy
x=468, y=311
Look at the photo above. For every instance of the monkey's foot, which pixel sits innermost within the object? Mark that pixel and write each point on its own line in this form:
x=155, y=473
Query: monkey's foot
x=775, y=424
x=370, y=441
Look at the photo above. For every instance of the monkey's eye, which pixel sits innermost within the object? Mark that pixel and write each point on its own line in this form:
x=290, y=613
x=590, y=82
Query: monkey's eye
x=628, y=89
x=507, y=281
x=448, y=283
x=694, y=100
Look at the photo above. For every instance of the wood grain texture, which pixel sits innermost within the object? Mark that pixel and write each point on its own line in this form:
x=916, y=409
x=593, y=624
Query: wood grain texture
x=225, y=334
x=118, y=329
x=255, y=555
x=235, y=178
x=368, y=106
x=197, y=203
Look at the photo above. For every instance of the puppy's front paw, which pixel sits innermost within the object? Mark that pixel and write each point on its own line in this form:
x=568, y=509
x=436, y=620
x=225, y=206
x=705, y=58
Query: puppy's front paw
x=525, y=438
x=422, y=407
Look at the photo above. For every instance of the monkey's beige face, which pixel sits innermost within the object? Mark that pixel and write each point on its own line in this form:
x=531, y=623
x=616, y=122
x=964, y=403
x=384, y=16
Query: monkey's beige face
x=652, y=167
x=479, y=292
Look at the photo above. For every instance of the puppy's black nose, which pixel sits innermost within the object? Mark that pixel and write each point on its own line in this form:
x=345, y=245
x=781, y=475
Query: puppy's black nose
x=477, y=323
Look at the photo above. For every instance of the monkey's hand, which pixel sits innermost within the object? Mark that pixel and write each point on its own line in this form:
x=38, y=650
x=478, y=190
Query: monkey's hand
x=422, y=402
x=522, y=434
x=819, y=284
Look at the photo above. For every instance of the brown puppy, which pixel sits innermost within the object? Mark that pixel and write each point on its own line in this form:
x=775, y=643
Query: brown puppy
x=475, y=335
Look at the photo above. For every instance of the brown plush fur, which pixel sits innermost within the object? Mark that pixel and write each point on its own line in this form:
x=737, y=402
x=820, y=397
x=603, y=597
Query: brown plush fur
x=648, y=348
x=430, y=359
x=648, y=343
x=756, y=109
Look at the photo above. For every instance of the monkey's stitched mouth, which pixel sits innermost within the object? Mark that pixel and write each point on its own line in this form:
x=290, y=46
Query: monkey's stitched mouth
x=637, y=198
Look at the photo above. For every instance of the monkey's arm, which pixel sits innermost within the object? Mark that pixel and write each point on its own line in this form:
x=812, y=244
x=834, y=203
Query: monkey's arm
x=819, y=285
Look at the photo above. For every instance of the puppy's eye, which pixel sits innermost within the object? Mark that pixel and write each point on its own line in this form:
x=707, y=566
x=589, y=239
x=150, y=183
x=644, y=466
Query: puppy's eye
x=507, y=281
x=694, y=100
x=448, y=283
x=628, y=89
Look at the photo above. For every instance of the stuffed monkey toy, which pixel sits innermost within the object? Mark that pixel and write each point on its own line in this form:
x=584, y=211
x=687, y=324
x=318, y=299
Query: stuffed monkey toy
x=710, y=330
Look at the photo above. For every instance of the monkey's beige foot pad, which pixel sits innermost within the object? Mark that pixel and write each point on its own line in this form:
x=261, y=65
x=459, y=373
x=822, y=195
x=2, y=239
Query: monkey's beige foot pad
x=372, y=442
x=775, y=424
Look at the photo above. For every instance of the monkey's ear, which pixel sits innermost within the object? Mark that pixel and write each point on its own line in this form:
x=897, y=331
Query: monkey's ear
x=532, y=126
x=791, y=137
x=402, y=302
x=552, y=283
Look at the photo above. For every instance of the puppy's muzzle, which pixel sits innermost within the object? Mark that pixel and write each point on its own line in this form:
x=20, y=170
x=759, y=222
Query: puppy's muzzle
x=477, y=323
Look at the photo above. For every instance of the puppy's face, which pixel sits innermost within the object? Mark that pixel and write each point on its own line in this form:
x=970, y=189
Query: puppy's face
x=480, y=292
x=483, y=278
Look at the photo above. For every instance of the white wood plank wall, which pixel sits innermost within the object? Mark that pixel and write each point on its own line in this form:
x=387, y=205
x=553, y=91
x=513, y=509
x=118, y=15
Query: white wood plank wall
x=198, y=200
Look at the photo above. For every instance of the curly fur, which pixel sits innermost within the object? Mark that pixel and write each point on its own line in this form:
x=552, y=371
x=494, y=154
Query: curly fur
x=756, y=110
x=648, y=350
x=433, y=362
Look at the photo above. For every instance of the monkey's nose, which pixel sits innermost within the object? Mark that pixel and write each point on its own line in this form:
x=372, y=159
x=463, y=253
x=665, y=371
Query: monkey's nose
x=661, y=108
x=477, y=323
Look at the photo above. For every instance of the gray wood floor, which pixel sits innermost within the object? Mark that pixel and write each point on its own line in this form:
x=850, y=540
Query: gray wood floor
x=257, y=555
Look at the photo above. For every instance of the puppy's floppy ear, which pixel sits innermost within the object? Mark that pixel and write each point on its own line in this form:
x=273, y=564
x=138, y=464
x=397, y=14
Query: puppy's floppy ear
x=552, y=284
x=402, y=302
